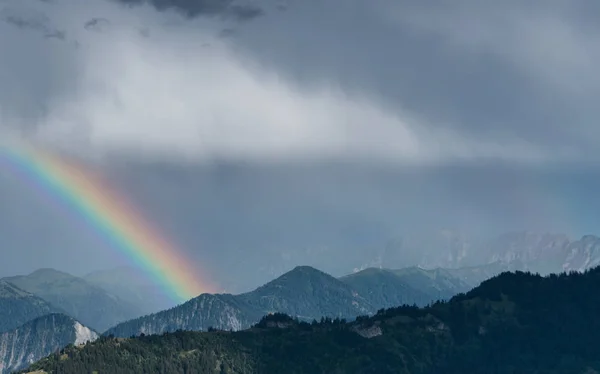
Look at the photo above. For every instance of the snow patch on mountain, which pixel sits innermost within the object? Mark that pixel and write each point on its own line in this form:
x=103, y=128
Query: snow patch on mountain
x=83, y=334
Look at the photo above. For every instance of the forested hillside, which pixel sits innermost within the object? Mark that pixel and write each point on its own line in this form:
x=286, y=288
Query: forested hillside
x=513, y=323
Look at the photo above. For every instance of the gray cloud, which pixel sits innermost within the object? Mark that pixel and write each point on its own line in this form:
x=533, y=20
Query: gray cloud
x=33, y=21
x=551, y=47
x=345, y=88
x=309, y=125
x=492, y=70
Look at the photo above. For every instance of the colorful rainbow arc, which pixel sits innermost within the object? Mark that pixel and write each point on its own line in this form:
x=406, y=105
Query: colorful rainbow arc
x=109, y=215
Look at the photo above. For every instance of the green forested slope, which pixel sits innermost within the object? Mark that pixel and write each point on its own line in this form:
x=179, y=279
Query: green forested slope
x=513, y=323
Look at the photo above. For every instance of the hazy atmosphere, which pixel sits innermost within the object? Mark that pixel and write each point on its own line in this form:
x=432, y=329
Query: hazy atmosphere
x=261, y=135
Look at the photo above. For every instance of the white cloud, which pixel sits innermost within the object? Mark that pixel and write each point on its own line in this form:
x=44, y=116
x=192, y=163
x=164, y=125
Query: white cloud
x=181, y=91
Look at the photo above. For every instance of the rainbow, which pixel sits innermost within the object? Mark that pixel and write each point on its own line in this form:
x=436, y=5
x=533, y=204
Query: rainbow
x=108, y=214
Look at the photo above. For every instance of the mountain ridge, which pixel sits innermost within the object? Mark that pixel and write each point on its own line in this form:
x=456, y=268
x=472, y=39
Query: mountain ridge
x=91, y=305
x=303, y=292
x=542, y=252
x=18, y=306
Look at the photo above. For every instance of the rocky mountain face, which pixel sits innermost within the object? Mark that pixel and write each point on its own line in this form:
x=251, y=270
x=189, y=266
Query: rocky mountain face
x=582, y=254
x=18, y=306
x=305, y=293
x=38, y=338
x=545, y=253
x=538, y=252
x=91, y=305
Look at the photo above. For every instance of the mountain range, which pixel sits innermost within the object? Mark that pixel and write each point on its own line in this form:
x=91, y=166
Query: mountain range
x=38, y=338
x=513, y=323
x=519, y=250
x=18, y=306
x=34, y=326
x=305, y=293
x=85, y=302
x=106, y=301
x=539, y=252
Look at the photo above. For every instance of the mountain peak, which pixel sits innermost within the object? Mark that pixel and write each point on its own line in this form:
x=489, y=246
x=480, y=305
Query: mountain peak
x=306, y=291
x=50, y=273
x=305, y=269
x=302, y=274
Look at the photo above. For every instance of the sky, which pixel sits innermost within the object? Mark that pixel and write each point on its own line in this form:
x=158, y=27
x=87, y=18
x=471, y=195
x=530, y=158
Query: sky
x=263, y=134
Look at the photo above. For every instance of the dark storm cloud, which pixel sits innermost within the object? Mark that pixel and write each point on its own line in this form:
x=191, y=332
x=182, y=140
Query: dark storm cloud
x=195, y=8
x=33, y=21
x=96, y=24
